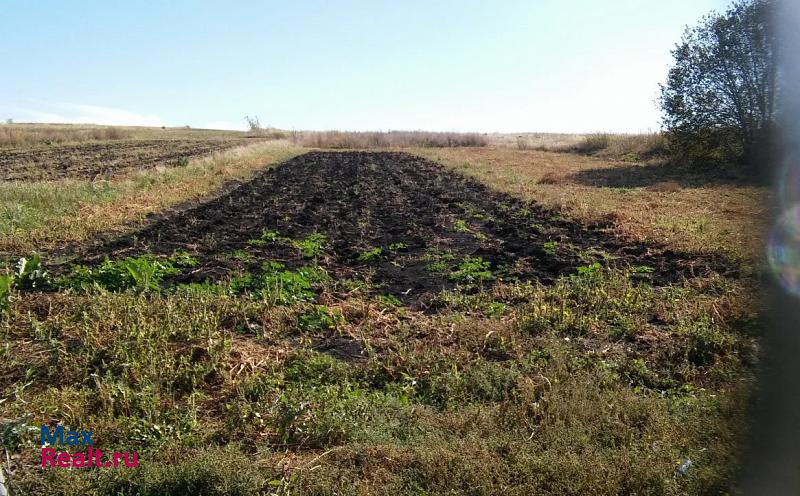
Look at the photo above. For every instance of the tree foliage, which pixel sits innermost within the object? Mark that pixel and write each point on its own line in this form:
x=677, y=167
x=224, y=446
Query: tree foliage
x=719, y=98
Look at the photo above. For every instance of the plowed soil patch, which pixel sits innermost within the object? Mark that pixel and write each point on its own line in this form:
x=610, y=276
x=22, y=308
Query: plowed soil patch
x=362, y=201
x=87, y=160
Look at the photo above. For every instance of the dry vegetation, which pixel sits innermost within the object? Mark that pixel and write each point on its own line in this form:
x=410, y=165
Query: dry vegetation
x=13, y=135
x=390, y=139
x=696, y=211
x=34, y=135
x=319, y=377
x=628, y=147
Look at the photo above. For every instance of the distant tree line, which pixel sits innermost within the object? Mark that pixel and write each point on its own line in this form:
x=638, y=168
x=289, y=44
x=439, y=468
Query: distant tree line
x=719, y=100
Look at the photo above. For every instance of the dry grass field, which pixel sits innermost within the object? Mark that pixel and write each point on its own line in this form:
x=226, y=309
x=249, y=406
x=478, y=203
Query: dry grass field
x=697, y=211
x=272, y=319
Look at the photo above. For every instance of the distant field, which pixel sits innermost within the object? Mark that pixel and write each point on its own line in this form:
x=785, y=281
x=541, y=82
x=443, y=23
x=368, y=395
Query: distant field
x=492, y=319
x=90, y=160
x=22, y=135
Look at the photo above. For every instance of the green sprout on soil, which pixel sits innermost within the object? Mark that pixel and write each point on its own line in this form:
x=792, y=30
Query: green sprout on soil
x=279, y=285
x=589, y=270
x=268, y=237
x=370, y=254
x=440, y=260
x=473, y=211
x=462, y=227
x=471, y=270
x=310, y=247
x=400, y=246
x=550, y=247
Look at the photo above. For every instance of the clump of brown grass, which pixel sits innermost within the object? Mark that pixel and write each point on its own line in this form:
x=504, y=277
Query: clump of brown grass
x=665, y=187
x=390, y=139
x=36, y=134
x=633, y=147
x=552, y=178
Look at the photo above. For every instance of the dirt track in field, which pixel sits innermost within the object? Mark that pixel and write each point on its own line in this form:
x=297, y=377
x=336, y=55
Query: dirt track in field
x=364, y=200
x=88, y=160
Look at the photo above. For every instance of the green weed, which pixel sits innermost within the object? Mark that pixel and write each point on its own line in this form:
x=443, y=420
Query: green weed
x=369, y=255
x=6, y=284
x=31, y=274
x=320, y=319
x=140, y=274
x=472, y=270
x=279, y=285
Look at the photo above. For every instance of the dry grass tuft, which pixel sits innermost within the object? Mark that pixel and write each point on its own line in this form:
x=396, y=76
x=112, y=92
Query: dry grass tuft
x=552, y=178
x=665, y=187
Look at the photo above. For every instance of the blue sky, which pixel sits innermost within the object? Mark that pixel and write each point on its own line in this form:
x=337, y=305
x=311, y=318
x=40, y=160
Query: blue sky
x=506, y=66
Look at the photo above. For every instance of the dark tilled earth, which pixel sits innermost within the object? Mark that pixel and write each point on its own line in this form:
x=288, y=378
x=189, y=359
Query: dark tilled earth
x=87, y=160
x=364, y=200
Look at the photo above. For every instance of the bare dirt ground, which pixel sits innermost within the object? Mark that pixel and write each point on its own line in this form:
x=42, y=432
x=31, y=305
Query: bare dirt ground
x=88, y=160
x=366, y=202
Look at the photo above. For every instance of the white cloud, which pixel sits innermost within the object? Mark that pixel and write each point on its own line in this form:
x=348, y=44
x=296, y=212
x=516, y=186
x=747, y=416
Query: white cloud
x=72, y=113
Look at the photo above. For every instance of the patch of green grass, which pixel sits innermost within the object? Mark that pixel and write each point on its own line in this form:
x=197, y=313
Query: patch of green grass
x=454, y=386
x=25, y=205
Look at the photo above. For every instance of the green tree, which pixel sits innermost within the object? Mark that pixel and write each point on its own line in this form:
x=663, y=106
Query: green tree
x=719, y=99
